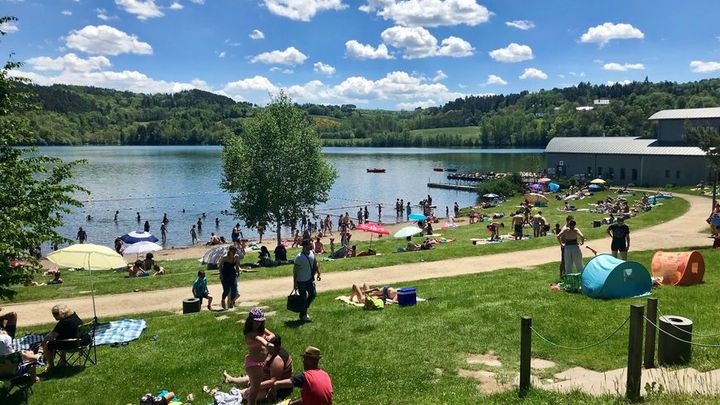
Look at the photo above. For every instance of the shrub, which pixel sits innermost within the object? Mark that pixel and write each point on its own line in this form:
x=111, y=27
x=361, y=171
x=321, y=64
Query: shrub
x=505, y=186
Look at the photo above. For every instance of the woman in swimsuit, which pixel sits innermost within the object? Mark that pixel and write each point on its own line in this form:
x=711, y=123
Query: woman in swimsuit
x=357, y=294
x=571, y=238
x=257, y=339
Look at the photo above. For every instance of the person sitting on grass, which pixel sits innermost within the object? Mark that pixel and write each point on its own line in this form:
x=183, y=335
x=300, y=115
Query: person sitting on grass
x=352, y=252
x=315, y=384
x=318, y=246
x=426, y=245
x=200, y=289
x=386, y=293
x=214, y=240
x=411, y=246
x=149, y=263
x=56, y=279
x=67, y=327
x=278, y=366
x=137, y=270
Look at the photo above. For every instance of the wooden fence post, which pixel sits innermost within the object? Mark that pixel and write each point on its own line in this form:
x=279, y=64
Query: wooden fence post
x=525, y=354
x=650, y=333
x=635, y=347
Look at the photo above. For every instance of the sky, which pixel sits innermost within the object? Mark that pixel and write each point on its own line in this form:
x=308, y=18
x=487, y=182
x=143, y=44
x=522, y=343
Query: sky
x=389, y=54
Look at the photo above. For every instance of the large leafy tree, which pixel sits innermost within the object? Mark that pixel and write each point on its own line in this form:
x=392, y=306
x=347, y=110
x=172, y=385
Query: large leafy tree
x=275, y=170
x=33, y=187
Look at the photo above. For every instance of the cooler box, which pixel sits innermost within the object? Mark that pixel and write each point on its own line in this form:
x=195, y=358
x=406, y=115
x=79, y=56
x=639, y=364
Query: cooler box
x=571, y=282
x=407, y=296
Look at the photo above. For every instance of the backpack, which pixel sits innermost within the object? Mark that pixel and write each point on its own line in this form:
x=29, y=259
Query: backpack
x=373, y=303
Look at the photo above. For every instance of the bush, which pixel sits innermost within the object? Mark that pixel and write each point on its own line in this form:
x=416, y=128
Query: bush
x=506, y=186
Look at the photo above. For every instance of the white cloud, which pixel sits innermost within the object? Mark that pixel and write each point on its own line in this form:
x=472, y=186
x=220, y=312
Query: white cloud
x=103, y=15
x=176, y=6
x=532, y=73
x=512, y=53
x=290, y=56
x=704, y=67
x=302, y=10
x=521, y=24
x=356, y=50
x=495, y=80
x=143, y=9
x=602, y=34
x=9, y=27
x=257, y=34
x=418, y=104
x=106, y=40
x=253, y=88
x=66, y=12
x=285, y=71
x=622, y=82
x=323, y=68
x=200, y=2
x=439, y=76
x=69, y=62
x=617, y=67
x=429, y=13
x=417, y=42
x=221, y=54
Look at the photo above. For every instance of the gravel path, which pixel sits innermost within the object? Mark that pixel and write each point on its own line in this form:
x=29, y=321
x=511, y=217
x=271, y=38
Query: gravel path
x=684, y=231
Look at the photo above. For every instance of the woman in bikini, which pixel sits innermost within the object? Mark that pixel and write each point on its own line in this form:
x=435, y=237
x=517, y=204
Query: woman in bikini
x=385, y=293
x=257, y=339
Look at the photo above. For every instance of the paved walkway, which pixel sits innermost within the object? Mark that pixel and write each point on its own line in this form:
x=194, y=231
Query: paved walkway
x=684, y=231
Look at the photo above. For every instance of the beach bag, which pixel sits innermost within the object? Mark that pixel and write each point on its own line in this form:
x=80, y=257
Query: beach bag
x=295, y=302
x=373, y=303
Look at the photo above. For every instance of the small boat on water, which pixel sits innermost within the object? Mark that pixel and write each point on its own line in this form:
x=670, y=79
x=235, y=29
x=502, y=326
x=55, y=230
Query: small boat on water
x=449, y=169
x=438, y=169
x=376, y=170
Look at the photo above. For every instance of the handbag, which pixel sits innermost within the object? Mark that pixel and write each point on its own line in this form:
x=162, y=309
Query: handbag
x=295, y=302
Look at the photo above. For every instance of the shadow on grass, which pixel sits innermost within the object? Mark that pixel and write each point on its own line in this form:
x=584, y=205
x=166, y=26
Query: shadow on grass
x=294, y=324
x=60, y=372
x=17, y=396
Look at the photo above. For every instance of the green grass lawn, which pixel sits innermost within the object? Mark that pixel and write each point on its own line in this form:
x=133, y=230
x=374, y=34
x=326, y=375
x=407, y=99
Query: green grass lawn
x=400, y=355
x=463, y=132
x=181, y=273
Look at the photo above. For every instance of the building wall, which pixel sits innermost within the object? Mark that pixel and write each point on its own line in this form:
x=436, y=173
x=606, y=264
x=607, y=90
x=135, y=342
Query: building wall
x=671, y=131
x=648, y=170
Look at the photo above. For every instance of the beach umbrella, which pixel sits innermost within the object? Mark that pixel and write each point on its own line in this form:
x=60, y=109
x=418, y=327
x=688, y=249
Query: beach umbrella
x=138, y=236
x=373, y=227
x=490, y=196
x=141, y=248
x=407, y=231
x=595, y=187
x=534, y=197
x=598, y=181
x=544, y=180
x=536, y=186
x=88, y=256
x=213, y=255
x=416, y=216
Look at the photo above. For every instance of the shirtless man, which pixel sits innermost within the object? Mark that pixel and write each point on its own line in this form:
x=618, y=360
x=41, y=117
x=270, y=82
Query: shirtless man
x=517, y=222
x=494, y=229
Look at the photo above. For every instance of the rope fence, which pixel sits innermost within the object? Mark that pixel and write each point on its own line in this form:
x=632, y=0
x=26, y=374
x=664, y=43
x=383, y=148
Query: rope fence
x=601, y=341
x=657, y=327
x=691, y=333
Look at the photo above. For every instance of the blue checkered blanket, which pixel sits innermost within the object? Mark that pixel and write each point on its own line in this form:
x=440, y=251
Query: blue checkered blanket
x=124, y=330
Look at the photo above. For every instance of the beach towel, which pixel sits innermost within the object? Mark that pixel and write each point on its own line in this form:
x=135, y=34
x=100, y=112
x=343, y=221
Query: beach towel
x=346, y=299
x=25, y=342
x=124, y=330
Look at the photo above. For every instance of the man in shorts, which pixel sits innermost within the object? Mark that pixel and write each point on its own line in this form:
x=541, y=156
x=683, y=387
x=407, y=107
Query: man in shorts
x=620, y=234
x=517, y=222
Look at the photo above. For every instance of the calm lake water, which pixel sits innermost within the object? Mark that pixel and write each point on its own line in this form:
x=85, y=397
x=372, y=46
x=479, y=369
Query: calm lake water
x=154, y=180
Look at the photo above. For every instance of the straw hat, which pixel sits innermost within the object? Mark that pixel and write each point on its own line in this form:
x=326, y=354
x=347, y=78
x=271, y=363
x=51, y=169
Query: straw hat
x=312, y=351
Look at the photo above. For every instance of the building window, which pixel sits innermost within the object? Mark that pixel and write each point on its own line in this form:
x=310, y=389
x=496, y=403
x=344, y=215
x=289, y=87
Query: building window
x=589, y=171
x=611, y=173
x=677, y=174
x=633, y=174
x=667, y=174
x=622, y=173
x=599, y=171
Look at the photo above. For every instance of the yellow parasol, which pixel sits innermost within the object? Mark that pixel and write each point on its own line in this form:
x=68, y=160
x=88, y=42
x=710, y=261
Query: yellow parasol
x=90, y=257
x=598, y=181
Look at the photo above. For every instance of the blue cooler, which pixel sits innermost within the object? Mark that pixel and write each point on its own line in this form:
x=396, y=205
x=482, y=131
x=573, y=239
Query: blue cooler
x=407, y=296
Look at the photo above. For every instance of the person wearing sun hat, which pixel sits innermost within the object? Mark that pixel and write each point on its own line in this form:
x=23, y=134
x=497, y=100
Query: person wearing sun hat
x=314, y=383
x=257, y=339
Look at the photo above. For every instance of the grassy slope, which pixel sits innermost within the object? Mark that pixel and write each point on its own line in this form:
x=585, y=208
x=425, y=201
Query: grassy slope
x=395, y=352
x=181, y=273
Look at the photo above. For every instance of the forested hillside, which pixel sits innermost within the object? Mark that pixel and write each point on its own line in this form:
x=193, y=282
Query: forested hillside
x=70, y=115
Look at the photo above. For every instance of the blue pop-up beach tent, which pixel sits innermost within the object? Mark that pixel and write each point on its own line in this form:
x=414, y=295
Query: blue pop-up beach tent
x=607, y=277
x=553, y=187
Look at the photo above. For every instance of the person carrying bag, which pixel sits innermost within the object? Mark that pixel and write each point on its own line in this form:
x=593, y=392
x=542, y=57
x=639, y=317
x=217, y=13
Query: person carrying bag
x=305, y=272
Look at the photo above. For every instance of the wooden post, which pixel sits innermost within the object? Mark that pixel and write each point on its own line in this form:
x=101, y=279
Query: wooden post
x=634, y=363
x=525, y=354
x=650, y=333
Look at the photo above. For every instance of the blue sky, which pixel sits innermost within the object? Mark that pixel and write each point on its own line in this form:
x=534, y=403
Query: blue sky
x=393, y=54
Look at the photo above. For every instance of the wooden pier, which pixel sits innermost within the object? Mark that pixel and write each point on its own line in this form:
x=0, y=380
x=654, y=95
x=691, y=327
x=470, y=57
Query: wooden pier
x=457, y=187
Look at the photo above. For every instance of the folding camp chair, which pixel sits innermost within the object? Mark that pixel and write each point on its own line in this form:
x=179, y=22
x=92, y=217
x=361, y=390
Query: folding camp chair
x=82, y=349
x=9, y=378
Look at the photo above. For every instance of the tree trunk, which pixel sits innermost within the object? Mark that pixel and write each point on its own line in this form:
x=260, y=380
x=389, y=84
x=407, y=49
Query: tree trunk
x=277, y=230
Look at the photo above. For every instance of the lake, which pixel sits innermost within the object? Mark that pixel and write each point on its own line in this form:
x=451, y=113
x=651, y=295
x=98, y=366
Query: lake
x=153, y=180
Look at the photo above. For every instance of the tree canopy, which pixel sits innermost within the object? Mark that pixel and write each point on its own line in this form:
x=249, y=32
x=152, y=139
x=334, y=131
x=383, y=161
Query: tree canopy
x=33, y=188
x=276, y=169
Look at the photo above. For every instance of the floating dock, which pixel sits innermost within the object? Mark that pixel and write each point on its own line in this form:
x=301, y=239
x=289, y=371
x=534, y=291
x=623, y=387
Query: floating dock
x=452, y=187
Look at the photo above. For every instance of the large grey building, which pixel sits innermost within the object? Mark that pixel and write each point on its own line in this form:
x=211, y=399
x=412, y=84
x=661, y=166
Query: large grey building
x=644, y=162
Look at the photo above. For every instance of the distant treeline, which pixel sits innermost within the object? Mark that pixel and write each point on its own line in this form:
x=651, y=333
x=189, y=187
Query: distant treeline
x=71, y=115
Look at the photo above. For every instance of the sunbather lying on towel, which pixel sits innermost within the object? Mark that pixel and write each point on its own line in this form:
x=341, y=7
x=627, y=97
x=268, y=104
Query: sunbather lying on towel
x=357, y=294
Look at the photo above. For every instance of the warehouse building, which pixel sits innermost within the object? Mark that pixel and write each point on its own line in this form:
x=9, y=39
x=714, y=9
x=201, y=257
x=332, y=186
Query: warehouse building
x=644, y=162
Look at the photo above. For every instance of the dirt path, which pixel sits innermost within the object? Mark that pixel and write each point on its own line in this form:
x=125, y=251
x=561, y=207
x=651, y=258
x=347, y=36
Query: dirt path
x=684, y=231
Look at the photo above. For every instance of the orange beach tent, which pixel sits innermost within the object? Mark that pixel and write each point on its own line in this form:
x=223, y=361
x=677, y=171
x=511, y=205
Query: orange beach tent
x=678, y=268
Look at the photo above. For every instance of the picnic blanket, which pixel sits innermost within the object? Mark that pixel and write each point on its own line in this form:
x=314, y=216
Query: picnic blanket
x=124, y=330
x=346, y=299
x=26, y=341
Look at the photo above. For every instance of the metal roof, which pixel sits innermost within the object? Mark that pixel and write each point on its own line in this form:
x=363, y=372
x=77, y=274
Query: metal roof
x=623, y=145
x=687, y=114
